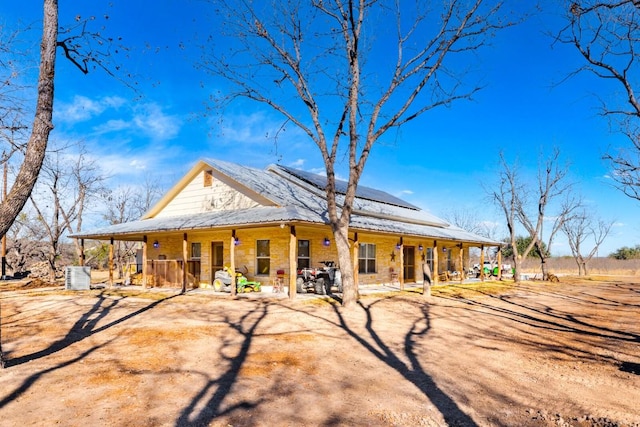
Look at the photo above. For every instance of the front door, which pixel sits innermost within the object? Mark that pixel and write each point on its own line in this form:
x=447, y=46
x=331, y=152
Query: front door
x=409, y=255
x=217, y=258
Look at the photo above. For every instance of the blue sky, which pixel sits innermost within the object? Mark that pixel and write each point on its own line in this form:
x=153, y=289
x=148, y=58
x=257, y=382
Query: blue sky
x=442, y=161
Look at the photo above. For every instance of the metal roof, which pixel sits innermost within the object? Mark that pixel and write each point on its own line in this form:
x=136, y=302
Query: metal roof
x=299, y=198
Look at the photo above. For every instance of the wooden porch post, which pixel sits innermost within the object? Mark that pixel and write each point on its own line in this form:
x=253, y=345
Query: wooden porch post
x=462, y=269
x=401, y=272
x=293, y=262
x=436, y=267
x=356, y=266
x=482, y=263
x=144, y=262
x=184, y=262
x=232, y=262
x=111, y=262
x=82, y=257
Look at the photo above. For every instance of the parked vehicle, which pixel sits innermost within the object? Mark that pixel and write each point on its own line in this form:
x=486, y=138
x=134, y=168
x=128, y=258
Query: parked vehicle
x=222, y=282
x=491, y=269
x=319, y=280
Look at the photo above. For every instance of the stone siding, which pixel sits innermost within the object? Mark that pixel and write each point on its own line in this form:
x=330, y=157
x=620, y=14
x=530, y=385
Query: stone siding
x=388, y=259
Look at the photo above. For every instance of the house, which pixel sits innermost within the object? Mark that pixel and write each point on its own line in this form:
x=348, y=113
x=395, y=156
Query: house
x=274, y=221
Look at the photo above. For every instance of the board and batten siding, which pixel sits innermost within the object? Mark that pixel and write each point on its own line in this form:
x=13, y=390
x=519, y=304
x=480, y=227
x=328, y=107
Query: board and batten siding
x=198, y=198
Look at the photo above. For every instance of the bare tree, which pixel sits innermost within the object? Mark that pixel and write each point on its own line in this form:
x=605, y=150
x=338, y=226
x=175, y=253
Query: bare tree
x=42, y=124
x=552, y=185
x=580, y=228
x=465, y=219
x=86, y=50
x=468, y=220
x=309, y=62
x=512, y=196
x=67, y=184
x=126, y=204
x=607, y=35
x=24, y=243
x=507, y=195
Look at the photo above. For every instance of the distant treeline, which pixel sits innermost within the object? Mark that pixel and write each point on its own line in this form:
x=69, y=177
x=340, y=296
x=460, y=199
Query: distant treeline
x=626, y=253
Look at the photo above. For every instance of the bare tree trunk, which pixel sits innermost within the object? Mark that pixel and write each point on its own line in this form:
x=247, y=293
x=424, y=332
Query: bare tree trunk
x=543, y=260
x=42, y=123
x=579, y=264
x=517, y=266
x=426, y=279
x=349, y=287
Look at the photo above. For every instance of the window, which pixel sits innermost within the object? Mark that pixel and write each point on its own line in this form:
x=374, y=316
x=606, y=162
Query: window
x=195, y=250
x=367, y=258
x=429, y=259
x=304, y=260
x=208, y=178
x=263, y=258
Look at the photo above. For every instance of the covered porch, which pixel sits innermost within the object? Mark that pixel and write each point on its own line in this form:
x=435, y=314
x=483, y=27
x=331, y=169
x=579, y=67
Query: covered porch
x=167, y=259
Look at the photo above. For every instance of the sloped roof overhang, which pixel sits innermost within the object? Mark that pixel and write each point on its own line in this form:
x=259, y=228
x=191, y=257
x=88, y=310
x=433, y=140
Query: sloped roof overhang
x=265, y=216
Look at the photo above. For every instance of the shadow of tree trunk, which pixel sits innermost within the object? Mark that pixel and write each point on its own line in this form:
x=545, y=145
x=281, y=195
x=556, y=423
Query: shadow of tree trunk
x=85, y=327
x=414, y=372
x=219, y=388
x=31, y=380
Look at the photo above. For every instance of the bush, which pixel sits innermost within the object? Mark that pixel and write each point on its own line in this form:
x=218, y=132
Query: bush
x=626, y=253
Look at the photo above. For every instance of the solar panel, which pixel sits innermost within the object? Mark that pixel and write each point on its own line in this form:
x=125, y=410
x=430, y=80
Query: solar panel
x=362, y=192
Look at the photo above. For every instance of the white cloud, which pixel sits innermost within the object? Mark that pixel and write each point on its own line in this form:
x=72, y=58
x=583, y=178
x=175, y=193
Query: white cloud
x=138, y=164
x=112, y=126
x=297, y=163
x=319, y=171
x=258, y=128
x=151, y=121
x=82, y=108
x=113, y=114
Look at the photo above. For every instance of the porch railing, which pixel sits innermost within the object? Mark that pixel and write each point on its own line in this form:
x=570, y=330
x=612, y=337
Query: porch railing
x=168, y=273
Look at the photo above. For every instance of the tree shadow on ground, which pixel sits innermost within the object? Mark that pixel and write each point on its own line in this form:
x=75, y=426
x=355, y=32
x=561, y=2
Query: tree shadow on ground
x=208, y=404
x=531, y=313
x=32, y=379
x=413, y=371
x=85, y=327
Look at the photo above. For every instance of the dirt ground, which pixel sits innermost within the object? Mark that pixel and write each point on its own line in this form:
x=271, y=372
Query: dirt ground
x=539, y=354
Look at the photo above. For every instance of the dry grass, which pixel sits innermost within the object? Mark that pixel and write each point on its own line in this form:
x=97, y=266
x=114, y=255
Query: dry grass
x=475, y=289
x=597, y=266
x=264, y=363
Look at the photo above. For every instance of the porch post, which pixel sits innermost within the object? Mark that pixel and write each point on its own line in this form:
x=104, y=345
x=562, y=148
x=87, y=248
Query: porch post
x=463, y=272
x=111, y=262
x=482, y=263
x=82, y=257
x=401, y=272
x=499, y=262
x=144, y=262
x=293, y=268
x=184, y=263
x=232, y=262
x=436, y=267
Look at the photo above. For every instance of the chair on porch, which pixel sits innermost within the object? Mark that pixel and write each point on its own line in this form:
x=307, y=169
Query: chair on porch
x=395, y=280
x=444, y=276
x=278, y=282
